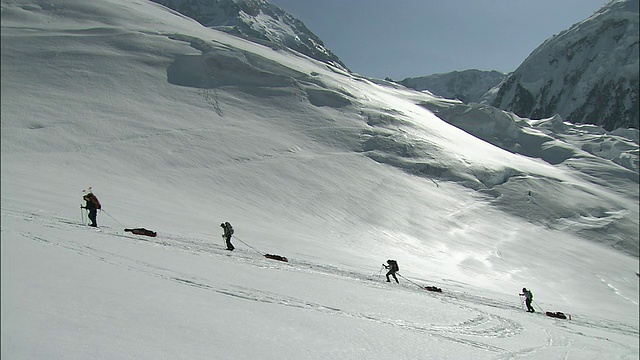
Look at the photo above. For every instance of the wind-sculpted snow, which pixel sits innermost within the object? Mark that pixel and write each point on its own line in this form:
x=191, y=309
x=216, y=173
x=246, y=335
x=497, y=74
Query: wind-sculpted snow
x=588, y=149
x=220, y=67
x=552, y=140
x=322, y=97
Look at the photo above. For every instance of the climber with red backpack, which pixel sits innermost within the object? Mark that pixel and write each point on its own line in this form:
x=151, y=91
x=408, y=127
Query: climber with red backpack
x=92, y=205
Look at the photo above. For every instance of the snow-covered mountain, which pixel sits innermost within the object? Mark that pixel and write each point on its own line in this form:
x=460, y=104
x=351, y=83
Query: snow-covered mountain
x=467, y=86
x=587, y=74
x=256, y=20
x=179, y=127
x=513, y=133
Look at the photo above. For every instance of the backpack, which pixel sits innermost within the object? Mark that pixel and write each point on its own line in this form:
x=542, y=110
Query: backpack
x=94, y=200
x=394, y=265
x=229, y=227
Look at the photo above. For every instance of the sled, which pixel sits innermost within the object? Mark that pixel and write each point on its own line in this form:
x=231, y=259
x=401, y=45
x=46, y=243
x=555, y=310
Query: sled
x=558, y=315
x=433, y=288
x=276, y=257
x=142, y=231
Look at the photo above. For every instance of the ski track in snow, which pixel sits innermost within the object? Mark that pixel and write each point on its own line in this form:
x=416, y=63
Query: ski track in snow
x=615, y=290
x=469, y=332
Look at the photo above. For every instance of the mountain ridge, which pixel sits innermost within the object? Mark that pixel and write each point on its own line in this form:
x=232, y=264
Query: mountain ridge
x=467, y=86
x=257, y=20
x=588, y=74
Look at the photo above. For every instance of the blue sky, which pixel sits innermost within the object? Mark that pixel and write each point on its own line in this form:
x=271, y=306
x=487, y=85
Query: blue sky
x=411, y=38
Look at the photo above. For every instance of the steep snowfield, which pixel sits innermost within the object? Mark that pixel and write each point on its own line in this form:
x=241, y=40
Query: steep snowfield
x=178, y=127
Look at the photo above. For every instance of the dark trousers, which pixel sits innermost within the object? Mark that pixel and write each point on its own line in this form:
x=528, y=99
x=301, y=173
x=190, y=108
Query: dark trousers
x=93, y=214
x=392, y=273
x=229, y=245
x=529, y=307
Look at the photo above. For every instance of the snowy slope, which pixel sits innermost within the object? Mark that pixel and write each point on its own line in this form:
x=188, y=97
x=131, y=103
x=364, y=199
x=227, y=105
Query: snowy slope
x=587, y=74
x=179, y=127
